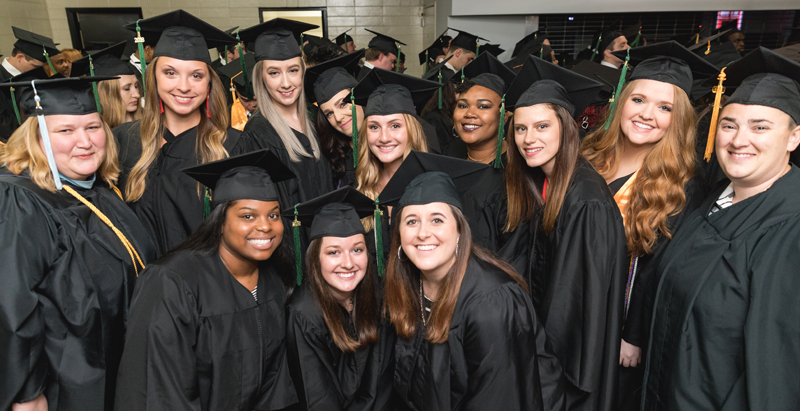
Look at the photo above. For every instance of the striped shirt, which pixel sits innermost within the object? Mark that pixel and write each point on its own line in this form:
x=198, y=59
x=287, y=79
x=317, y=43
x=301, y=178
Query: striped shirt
x=255, y=293
x=724, y=201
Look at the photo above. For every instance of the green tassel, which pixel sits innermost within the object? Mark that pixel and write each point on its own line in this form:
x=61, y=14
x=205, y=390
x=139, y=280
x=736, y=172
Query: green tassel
x=541, y=53
x=94, y=86
x=206, y=203
x=594, y=52
x=636, y=40
x=47, y=57
x=462, y=74
x=613, y=104
x=379, y=238
x=353, y=122
x=397, y=63
x=16, y=109
x=247, y=82
x=139, y=40
x=477, y=49
x=297, y=258
x=440, y=89
x=497, y=162
x=427, y=62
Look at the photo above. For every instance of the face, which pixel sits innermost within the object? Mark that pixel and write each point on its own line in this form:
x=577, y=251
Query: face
x=620, y=43
x=253, y=229
x=647, y=113
x=183, y=86
x=233, y=53
x=477, y=115
x=284, y=80
x=349, y=47
x=387, y=137
x=738, y=40
x=249, y=104
x=344, y=263
x=129, y=92
x=339, y=113
x=148, y=54
x=385, y=61
x=461, y=58
x=429, y=237
x=61, y=64
x=24, y=65
x=537, y=133
x=79, y=144
x=753, y=143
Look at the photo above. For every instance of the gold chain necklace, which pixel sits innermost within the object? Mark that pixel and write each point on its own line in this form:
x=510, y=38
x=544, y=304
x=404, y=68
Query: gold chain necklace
x=479, y=161
x=421, y=304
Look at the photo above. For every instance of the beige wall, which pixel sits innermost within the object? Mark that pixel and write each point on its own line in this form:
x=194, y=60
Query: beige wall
x=397, y=18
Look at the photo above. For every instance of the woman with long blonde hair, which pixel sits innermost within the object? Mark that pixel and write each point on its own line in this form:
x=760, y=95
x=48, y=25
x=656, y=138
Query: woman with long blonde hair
x=646, y=153
x=184, y=123
x=71, y=251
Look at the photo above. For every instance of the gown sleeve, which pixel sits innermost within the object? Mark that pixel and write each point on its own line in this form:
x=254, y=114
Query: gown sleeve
x=158, y=369
x=28, y=251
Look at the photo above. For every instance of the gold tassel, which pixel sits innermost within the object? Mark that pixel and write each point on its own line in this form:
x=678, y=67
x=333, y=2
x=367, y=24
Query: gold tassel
x=718, y=90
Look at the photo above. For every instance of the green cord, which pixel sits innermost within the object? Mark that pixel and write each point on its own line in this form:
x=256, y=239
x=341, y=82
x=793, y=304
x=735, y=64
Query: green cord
x=462, y=74
x=619, y=87
x=354, y=125
x=140, y=43
x=206, y=203
x=397, y=63
x=94, y=86
x=16, y=109
x=497, y=156
x=379, y=238
x=247, y=82
x=297, y=258
x=477, y=49
x=594, y=52
x=440, y=89
x=638, y=36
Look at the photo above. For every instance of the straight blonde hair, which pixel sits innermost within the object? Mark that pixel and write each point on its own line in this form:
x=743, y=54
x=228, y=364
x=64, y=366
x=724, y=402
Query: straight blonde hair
x=114, y=109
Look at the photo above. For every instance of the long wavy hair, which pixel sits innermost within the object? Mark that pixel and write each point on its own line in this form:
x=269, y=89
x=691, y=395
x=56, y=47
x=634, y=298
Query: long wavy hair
x=114, y=109
x=658, y=191
x=524, y=197
x=267, y=109
x=366, y=313
x=401, y=290
x=334, y=145
x=22, y=152
x=211, y=132
x=368, y=172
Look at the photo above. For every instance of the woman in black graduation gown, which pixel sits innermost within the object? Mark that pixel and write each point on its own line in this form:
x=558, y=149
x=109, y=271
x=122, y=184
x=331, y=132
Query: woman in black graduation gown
x=207, y=322
x=438, y=111
x=282, y=122
x=338, y=346
x=568, y=238
x=725, y=332
x=185, y=123
x=647, y=157
x=71, y=250
x=468, y=335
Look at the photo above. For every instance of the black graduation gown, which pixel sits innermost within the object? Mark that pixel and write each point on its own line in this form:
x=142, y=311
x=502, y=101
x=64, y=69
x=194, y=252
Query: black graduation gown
x=725, y=333
x=443, y=127
x=129, y=148
x=170, y=208
x=497, y=356
x=458, y=149
x=8, y=120
x=326, y=378
x=362, y=72
x=349, y=177
x=576, y=276
x=198, y=340
x=486, y=208
x=67, y=282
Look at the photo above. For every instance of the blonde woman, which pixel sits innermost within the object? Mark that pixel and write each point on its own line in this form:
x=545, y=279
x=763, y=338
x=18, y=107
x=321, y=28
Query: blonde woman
x=647, y=155
x=184, y=123
x=71, y=251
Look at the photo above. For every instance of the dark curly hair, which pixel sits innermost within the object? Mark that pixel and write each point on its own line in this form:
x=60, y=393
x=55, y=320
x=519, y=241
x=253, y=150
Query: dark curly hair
x=335, y=145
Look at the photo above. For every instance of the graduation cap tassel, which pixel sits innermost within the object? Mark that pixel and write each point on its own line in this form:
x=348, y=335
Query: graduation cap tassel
x=440, y=90
x=247, y=83
x=48, y=148
x=621, y=83
x=297, y=258
x=462, y=74
x=47, y=57
x=16, y=109
x=206, y=202
x=708, y=50
x=139, y=40
x=379, y=238
x=94, y=86
x=427, y=61
x=718, y=90
x=477, y=49
x=354, y=125
x=500, y=132
x=637, y=39
x=397, y=63
x=597, y=46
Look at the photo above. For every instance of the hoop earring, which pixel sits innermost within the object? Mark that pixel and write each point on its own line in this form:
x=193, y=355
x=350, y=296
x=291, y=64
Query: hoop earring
x=398, y=254
x=161, y=103
x=454, y=132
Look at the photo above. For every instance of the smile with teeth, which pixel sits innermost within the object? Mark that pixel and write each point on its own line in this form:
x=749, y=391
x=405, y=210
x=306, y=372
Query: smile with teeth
x=286, y=93
x=346, y=275
x=741, y=155
x=260, y=242
x=534, y=150
x=387, y=148
x=426, y=247
x=183, y=100
x=642, y=125
x=470, y=127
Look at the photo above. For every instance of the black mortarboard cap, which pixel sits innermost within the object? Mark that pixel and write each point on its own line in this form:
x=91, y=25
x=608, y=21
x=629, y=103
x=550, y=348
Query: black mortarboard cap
x=668, y=62
x=433, y=73
x=537, y=50
x=765, y=78
x=719, y=54
x=534, y=38
x=106, y=62
x=466, y=41
x=385, y=92
x=493, y=49
x=34, y=45
x=384, y=43
x=606, y=75
x=487, y=71
x=343, y=38
x=231, y=31
x=250, y=176
x=631, y=32
x=703, y=42
x=432, y=52
x=315, y=43
x=330, y=77
x=728, y=26
x=425, y=178
x=541, y=82
x=182, y=36
x=608, y=38
x=276, y=39
x=335, y=214
x=233, y=72
x=72, y=96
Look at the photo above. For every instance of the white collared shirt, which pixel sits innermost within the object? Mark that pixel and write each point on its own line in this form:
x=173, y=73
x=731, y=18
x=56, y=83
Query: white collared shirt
x=448, y=65
x=607, y=64
x=136, y=63
x=368, y=65
x=11, y=69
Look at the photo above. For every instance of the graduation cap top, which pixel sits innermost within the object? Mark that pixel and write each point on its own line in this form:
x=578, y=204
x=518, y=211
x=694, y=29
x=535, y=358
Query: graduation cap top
x=384, y=43
x=276, y=39
x=315, y=43
x=34, y=45
x=335, y=214
x=534, y=38
x=233, y=71
x=719, y=54
x=489, y=72
x=106, y=62
x=343, y=38
x=431, y=52
x=250, y=176
x=493, y=49
x=466, y=41
x=182, y=36
x=425, y=178
x=541, y=82
x=72, y=96
x=329, y=78
x=606, y=75
x=385, y=92
x=765, y=78
x=433, y=73
x=668, y=62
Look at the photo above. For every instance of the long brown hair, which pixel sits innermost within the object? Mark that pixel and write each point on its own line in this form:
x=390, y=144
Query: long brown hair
x=211, y=132
x=401, y=290
x=366, y=313
x=22, y=152
x=114, y=109
x=524, y=197
x=658, y=191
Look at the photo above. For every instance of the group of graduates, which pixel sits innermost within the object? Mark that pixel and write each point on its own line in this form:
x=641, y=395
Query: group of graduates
x=290, y=227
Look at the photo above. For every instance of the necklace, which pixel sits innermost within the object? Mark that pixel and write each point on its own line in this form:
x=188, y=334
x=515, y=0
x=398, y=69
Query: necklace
x=477, y=160
x=421, y=303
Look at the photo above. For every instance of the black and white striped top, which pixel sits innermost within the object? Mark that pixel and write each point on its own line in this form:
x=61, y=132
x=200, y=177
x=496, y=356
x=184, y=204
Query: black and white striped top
x=255, y=293
x=724, y=201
